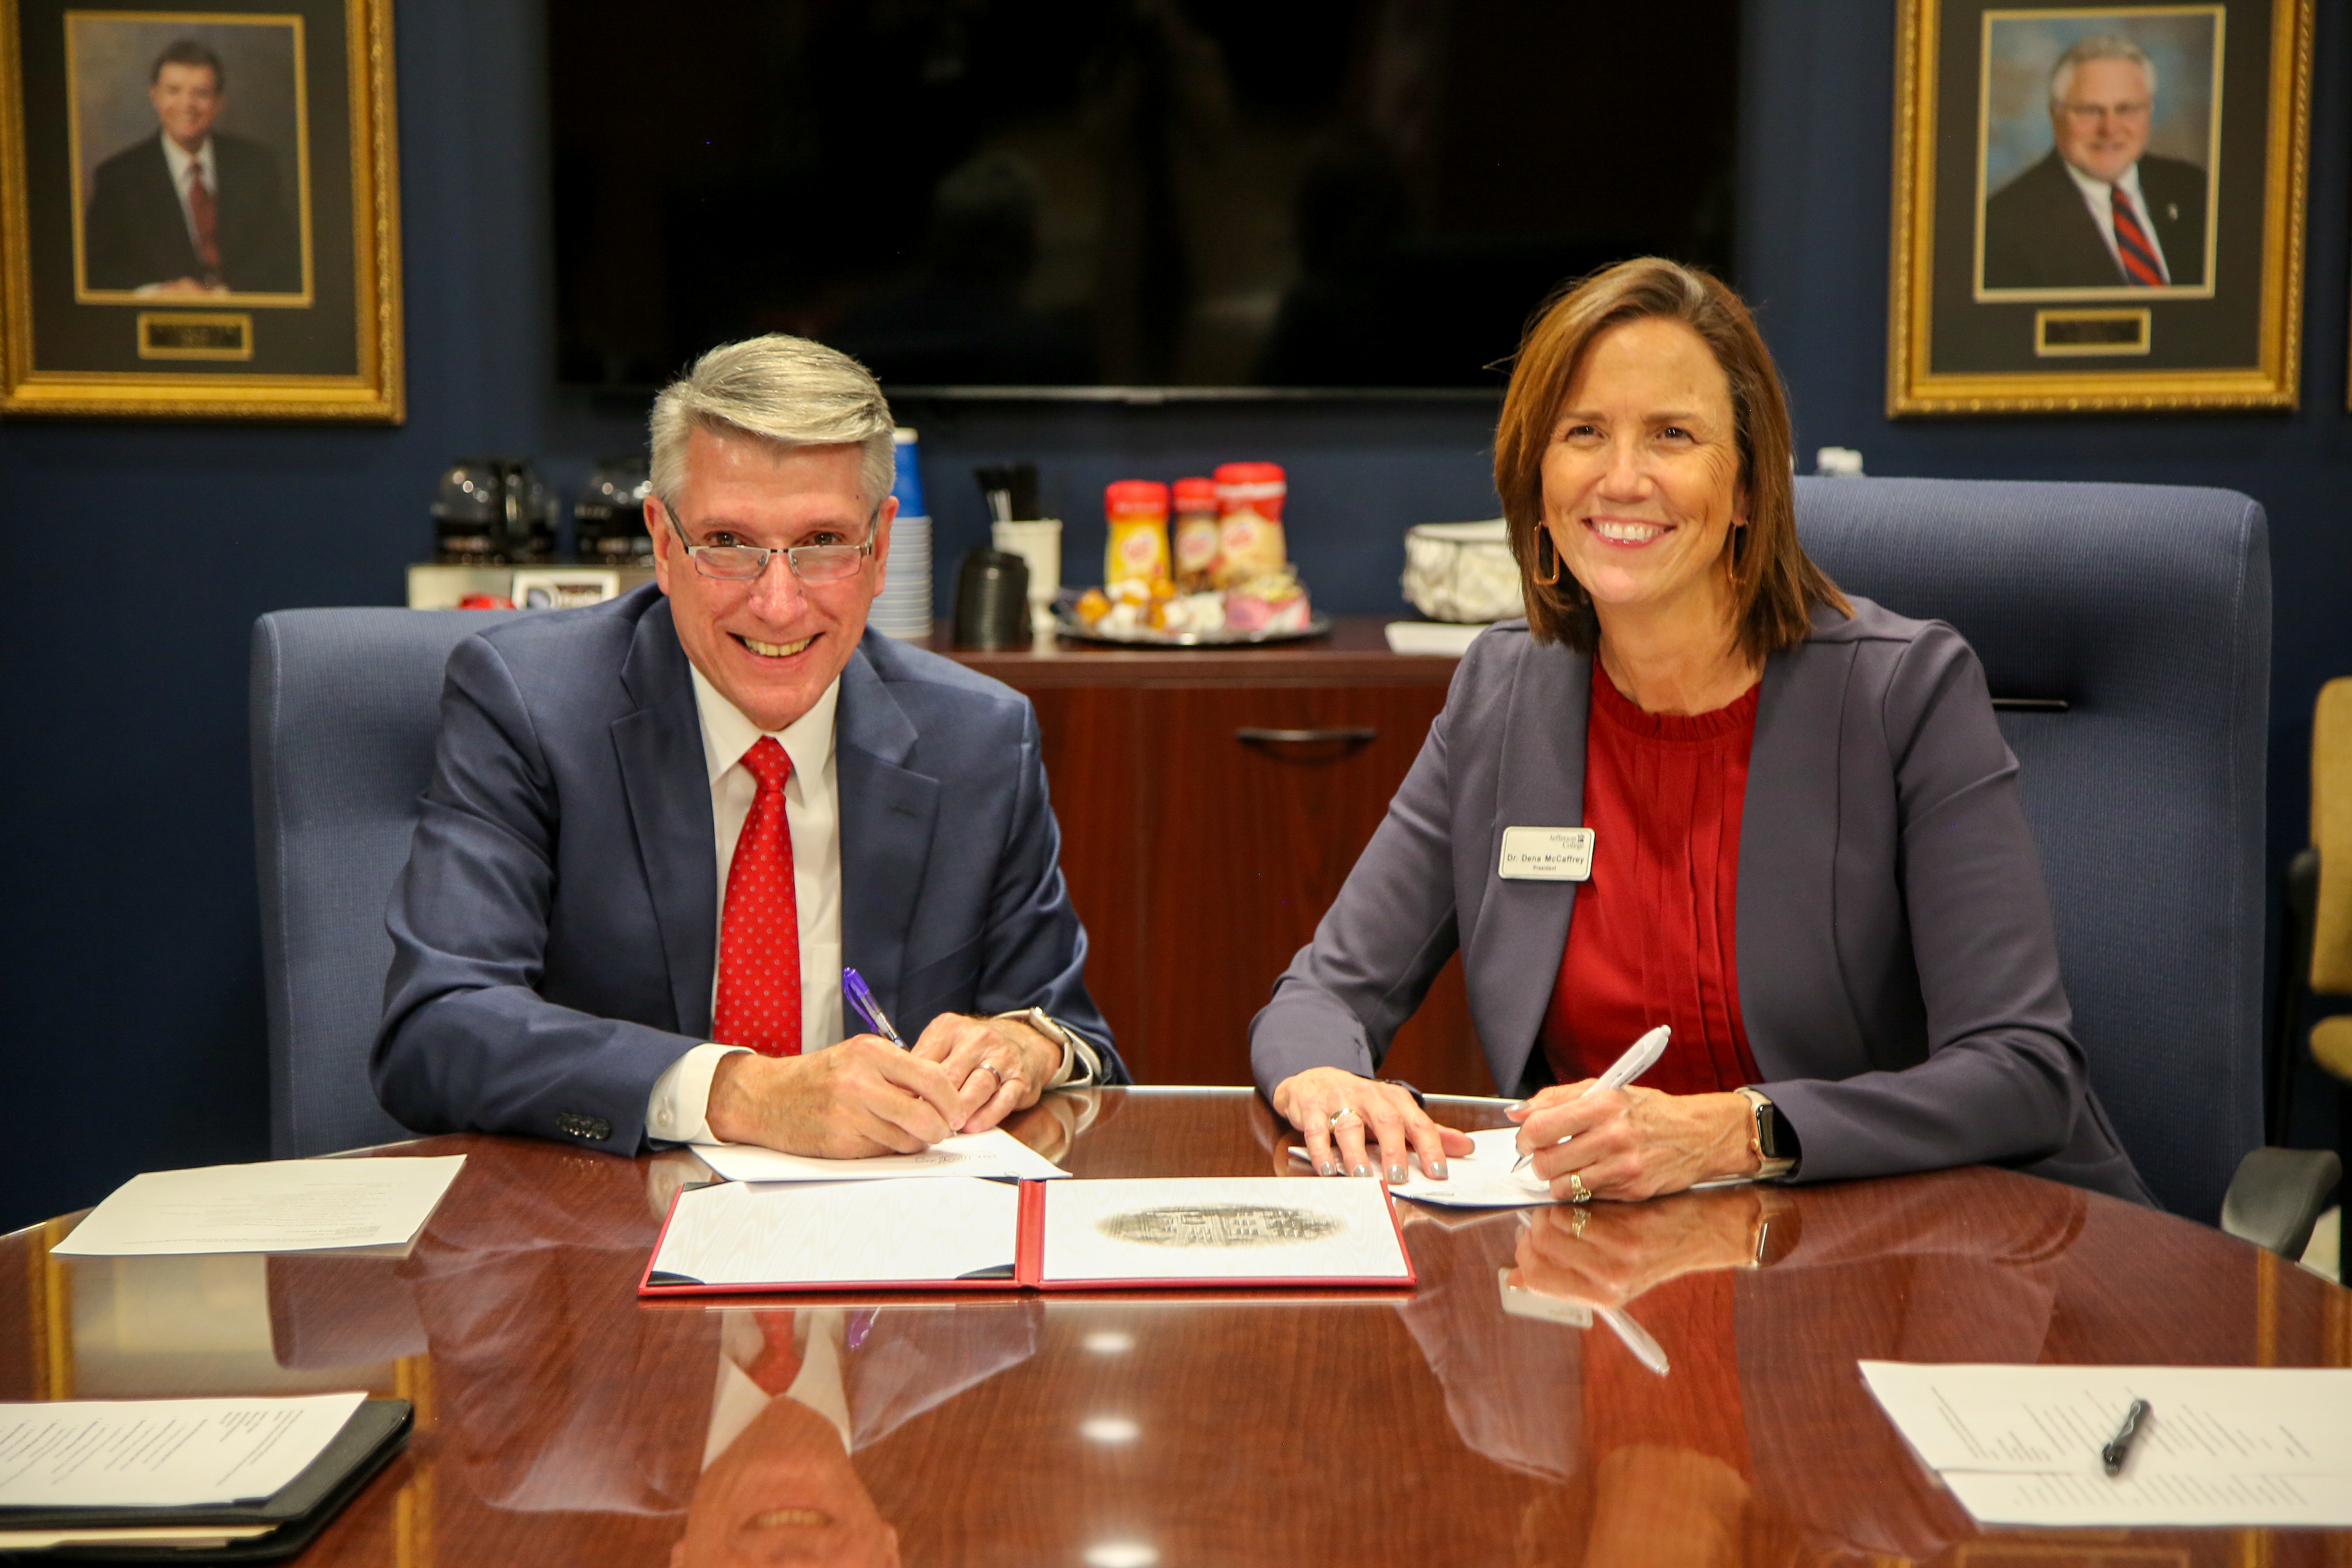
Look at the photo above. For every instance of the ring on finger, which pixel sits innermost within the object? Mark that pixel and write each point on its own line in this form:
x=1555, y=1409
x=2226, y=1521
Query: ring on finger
x=992, y=1066
x=1344, y=1110
x=1577, y=1193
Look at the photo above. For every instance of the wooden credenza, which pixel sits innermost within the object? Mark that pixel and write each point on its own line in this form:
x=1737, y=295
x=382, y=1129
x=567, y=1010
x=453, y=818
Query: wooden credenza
x=1212, y=801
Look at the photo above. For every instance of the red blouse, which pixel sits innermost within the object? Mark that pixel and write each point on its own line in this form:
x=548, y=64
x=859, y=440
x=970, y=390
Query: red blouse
x=1653, y=936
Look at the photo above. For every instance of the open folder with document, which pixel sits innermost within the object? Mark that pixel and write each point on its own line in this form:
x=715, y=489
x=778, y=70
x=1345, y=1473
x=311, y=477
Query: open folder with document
x=959, y=1234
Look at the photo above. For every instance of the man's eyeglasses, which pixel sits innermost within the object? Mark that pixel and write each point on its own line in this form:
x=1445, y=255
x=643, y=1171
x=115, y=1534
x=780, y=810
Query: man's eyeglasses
x=743, y=562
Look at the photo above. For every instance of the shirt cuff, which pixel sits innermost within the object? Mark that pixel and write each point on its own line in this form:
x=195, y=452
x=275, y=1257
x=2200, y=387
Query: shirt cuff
x=1081, y=1064
x=678, y=1111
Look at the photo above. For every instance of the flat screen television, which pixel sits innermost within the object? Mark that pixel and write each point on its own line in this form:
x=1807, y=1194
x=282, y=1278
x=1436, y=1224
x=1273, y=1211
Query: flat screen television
x=988, y=194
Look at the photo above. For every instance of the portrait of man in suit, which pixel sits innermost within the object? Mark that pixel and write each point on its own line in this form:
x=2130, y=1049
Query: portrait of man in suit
x=192, y=209
x=2099, y=210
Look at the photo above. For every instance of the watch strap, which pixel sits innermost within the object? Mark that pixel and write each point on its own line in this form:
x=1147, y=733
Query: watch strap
x=1765, y=1139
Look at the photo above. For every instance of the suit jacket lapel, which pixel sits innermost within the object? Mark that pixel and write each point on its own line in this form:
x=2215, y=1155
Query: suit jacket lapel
x=1511, y=945
x=667, y=782
x=1788, y=968
x=888, y=812
x=169, y=230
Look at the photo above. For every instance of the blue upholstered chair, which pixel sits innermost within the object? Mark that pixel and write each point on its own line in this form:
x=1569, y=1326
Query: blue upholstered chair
x=345, y=707
x=2125, y=633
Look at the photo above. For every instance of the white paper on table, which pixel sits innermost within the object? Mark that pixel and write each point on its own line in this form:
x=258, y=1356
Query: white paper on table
x=808, y=1232
x=993, y=1153
x=2163, y=1498
x=162, y=1453
x=2202, y=1421
x=278, y=1206
x=1482, y=1179
x=1221, y=1227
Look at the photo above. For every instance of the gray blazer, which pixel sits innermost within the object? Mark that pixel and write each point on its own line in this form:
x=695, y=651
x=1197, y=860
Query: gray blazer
x=1898, y=966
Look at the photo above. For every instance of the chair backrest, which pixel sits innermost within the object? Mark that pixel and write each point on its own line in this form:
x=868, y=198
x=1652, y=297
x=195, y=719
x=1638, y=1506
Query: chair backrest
x=346, y=709
x=2147, y=610
x=2331, y=835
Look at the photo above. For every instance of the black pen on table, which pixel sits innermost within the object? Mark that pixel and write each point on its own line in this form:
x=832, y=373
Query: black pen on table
x=2119, y=1446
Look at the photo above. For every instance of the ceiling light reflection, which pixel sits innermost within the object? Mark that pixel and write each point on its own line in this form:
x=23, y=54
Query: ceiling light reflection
x=1108, y=1342
x=1121, y=1554
x=1109, y=1429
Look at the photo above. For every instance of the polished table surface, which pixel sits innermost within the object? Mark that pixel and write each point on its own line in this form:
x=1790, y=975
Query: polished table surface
x=562, y=1421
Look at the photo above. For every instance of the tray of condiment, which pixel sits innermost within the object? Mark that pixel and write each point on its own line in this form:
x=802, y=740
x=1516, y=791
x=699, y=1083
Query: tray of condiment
x=1067, y=624
x=1227, y=582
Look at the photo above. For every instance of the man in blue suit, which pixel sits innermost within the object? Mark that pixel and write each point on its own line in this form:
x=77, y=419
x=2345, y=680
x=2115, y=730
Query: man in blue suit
x=658, y=829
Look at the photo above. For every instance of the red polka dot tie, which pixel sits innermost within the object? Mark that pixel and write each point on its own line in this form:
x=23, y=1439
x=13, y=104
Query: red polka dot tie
x=759, y=934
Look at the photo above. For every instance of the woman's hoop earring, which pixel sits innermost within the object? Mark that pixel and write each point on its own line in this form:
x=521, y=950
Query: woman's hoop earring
x=1543, y=542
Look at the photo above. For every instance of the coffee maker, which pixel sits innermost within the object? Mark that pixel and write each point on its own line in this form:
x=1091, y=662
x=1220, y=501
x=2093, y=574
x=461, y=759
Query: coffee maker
x=493, y=512
x=608, y=519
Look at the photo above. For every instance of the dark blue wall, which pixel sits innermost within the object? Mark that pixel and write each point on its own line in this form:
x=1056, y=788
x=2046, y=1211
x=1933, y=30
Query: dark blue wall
x=127, y=941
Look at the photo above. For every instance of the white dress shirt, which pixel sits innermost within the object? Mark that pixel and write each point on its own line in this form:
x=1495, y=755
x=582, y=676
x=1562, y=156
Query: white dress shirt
x=821, y=1334
x=679, y=1110
x=2100, y=197
x=179, y=158
x=681, y=1098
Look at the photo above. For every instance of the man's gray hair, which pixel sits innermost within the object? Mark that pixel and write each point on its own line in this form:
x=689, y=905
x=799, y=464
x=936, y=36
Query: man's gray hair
x=2097, y=47
x=784, y=391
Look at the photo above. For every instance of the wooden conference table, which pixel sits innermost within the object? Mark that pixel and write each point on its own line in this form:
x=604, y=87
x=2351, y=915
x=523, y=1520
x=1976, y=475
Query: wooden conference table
x=560, y=1421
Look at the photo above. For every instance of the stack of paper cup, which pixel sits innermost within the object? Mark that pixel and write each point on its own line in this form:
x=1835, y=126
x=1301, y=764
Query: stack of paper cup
x=903, y=608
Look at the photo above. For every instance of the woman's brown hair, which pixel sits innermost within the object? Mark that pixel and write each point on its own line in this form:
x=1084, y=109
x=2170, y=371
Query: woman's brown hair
x=1774, y=584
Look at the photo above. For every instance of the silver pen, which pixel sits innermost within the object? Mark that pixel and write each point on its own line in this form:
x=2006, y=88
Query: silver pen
x=1639, y=1058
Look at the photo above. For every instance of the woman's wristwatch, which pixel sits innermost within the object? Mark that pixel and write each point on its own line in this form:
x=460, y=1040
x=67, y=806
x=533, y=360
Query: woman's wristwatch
x=1770, y=1138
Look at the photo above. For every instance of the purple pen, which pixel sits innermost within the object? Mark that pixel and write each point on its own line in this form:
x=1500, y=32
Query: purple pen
x=861, y=996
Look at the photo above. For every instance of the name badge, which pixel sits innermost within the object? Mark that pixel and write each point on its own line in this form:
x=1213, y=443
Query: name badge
x=1547, y=853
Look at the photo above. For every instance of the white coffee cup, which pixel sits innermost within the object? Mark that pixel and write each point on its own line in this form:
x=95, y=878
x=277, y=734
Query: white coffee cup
x=1040, y=545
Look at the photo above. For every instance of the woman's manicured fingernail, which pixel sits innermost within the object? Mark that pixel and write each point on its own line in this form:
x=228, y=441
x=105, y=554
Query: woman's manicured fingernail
x=1437, y=1172
x=1328, y=1168
x=1361, y=1170
x=1396, y=1175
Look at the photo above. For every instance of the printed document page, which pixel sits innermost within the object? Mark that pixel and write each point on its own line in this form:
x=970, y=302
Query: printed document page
x=280, y=1205
x=1482, y=1179
x=805, y=1233
x=162, y=1453
x=994, y=1152
x=2021, y=1444
x=1221, y=1227
x=2157, y=1497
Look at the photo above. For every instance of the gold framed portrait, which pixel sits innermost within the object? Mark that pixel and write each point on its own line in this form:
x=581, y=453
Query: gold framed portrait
x=199, y=211
x=2098, y=208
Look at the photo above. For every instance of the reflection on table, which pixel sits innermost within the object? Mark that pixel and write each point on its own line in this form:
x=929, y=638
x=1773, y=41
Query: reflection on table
x=1469, y=1420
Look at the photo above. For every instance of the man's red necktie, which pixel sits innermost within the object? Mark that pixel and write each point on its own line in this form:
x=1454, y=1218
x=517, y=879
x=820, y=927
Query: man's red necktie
x=2141, y=267
x=759, y=932
x=207, y=220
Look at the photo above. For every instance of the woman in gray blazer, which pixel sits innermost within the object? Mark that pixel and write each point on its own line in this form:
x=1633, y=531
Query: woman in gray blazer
x=1784, y=821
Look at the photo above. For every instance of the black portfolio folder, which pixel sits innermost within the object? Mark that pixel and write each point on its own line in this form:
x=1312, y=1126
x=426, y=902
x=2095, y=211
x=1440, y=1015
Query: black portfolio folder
x=296, y=1513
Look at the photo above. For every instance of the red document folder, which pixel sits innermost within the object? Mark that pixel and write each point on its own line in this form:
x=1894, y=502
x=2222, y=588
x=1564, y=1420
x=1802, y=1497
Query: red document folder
x=1214, y=1224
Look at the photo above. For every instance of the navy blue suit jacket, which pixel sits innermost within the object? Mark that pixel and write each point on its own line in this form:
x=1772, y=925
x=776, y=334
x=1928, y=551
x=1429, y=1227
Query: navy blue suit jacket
x=555, y=930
